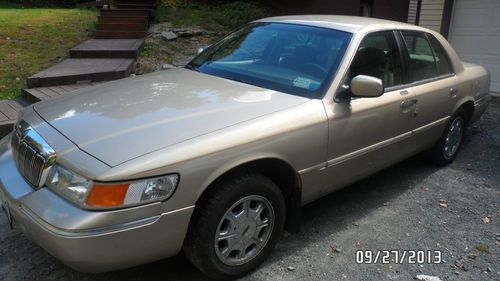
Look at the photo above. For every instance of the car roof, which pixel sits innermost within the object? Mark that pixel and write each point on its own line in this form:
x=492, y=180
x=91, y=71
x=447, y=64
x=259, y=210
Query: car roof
x=350, y=24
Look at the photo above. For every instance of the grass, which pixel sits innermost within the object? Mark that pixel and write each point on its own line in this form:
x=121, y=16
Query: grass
x=483, y=248
x=32, y=39
x=222, y=17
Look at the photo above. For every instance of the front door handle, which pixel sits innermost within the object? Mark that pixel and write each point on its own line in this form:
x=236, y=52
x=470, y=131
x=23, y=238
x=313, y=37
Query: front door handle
x=406, y=104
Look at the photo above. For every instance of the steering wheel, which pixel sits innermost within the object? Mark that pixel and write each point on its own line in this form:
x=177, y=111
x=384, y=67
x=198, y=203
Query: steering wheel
x=314, y=69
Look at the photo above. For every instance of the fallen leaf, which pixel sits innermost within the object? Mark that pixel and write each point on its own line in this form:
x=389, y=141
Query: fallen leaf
x=472, y=256
x=423, y=277
x=486, y=220
x=444, y=205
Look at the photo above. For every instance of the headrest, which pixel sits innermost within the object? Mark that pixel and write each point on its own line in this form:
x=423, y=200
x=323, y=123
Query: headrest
x=370, y=57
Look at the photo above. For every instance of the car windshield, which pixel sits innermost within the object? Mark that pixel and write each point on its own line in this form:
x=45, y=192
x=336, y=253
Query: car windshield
x=290, y=58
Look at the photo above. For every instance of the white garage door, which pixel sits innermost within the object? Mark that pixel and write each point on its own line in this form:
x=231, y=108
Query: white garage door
x=475, y=34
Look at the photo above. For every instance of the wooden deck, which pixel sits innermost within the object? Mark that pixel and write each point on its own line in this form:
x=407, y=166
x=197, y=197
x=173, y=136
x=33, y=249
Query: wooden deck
x=92, y=61
x=9, y=110
x=44, y=93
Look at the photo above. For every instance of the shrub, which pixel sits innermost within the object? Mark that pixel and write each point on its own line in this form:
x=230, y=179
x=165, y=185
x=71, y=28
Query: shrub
x=173, y=4
x=235, y=14
x=214, y=16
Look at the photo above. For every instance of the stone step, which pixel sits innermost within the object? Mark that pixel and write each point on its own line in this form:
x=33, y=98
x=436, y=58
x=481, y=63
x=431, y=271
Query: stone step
x=9, y=110
x=108, y=48
x=121, y=27
x=107, y=34
x=72, y=71
x=44, y=93
x=119, y=19
x=127, y=12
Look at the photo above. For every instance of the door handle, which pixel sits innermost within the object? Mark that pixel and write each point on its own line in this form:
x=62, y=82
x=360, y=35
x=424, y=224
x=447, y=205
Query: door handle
x=408, y=103
x=453, y=90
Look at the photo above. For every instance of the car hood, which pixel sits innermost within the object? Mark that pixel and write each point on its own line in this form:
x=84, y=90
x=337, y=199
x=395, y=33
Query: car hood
x=125, y=119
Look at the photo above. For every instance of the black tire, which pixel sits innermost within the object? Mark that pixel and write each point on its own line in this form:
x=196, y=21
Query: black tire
x=200, y=246
x=438, y=153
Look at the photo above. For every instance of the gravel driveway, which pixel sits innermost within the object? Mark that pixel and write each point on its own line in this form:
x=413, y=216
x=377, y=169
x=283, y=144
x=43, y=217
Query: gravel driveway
x=410, y=206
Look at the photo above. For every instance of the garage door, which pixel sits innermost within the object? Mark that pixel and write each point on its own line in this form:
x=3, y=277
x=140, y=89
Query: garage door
x=475, y=34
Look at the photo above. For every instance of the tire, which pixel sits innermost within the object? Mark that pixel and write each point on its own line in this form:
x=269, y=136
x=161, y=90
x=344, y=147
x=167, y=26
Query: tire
x=444, y=152
x=220, y=213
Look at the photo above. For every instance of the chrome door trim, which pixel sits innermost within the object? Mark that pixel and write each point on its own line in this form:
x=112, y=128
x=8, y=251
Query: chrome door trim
x=381, y=144
x=368, y=149
x=431, y=125
x=319, y=167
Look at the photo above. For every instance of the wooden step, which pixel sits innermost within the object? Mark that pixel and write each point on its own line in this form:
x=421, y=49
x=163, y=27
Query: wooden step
x=34, y=95
x=136, y=3
x=72, y=71
x=126, y=12
x=100, y=34
x=108, y=48
x=9, y=110
x=118, y=19
x=151, y=2
x=121, y=27
x=144, y=5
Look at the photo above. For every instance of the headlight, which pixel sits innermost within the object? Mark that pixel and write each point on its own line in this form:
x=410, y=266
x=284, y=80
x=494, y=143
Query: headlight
x=90, y=194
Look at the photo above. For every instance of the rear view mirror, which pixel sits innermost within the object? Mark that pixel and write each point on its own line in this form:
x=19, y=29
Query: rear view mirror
x=200, y=50
x=366, y=86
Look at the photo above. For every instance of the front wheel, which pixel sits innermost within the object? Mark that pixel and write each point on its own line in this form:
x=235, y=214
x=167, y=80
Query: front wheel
x=446, y=149
x=236, y=225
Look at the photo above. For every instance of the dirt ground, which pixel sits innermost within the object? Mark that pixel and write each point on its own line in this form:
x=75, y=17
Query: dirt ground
x=160, y=53
x=410, y=206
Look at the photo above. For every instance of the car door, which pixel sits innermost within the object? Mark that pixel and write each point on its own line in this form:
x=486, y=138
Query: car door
x=434, y=85
x=368, y=134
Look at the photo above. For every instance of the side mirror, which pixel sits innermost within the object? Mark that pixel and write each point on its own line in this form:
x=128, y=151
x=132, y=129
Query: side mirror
x=367, y=86
x=200, y=50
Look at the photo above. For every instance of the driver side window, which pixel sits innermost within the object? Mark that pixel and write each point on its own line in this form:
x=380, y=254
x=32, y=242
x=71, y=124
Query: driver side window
x=378, y=56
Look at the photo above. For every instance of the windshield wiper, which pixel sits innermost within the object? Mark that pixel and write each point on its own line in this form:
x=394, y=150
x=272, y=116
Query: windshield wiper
x=241, y=81
x=191, y=67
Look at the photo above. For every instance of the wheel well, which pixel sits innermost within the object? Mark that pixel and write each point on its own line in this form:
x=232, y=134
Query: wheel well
x=283, y=175
x=468, y=108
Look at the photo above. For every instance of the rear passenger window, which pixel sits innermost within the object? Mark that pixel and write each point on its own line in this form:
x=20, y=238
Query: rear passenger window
x=422, y=61
x=442, y=60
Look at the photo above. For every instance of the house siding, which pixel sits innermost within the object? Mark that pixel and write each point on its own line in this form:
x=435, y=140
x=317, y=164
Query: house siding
x=431, y=14
x=412, y=12
x=386, y=9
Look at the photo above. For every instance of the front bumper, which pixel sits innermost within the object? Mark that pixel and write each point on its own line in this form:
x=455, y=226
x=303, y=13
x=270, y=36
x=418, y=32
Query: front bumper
x=91, y=241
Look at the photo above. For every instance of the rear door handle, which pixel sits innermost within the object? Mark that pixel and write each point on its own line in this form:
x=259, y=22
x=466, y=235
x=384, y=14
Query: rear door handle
x=453, y=90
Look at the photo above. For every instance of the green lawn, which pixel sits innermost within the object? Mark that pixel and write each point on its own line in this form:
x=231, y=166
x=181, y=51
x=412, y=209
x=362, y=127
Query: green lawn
x=32, y=39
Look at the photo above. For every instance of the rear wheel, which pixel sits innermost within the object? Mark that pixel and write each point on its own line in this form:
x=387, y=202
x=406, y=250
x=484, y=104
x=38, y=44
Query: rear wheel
x=235, y=226
x=446, y=149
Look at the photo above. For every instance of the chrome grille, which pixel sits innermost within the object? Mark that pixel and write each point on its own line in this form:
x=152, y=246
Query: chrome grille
x=31, y=153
